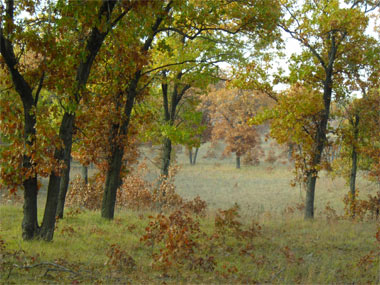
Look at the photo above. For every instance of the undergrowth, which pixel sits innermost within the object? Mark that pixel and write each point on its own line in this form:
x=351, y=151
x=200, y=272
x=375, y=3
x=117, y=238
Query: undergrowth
x=187, y=247
x=160, y=237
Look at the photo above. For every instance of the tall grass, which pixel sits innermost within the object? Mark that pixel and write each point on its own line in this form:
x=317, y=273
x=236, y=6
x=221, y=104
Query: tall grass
x=288, y=250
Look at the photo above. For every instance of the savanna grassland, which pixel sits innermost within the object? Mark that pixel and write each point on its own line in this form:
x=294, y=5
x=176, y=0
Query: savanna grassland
x=263, y=240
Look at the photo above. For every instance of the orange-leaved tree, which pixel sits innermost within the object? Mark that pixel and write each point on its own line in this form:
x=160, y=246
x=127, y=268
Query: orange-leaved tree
x=43, y=56
x=230, y=110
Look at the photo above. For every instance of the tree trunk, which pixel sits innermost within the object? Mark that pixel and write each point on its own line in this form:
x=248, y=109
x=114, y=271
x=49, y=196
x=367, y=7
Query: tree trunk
x=167, y=150
x=320, y=136
x=64, y=185
x=191, y=156
x=290, y=151
x=353, y=181
x=354, y=166
x=93, y=45
x=115, y=160
x=30, y=222
x=112, y=183
x=311, y=180
x=113, y=179
x=237, y=161
x=54, y=187
x=84, y=171
x=116, y=157
x=195, y=155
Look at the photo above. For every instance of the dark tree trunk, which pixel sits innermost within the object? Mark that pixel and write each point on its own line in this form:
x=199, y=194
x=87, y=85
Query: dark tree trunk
x=191, y=156
x=311, y=176
x=30, y=223
x=115, y=160
x=290, y=151
x=55, y=181
x=117, y=152
x=93, y=46
x=66, y=136
x=354, y=166
x=353, y=180
x=84, y=170
x=320, y=136
x=195, y=155
x=167, y=150
x=112, y=184
x=237, y=162
x=311, y=180
x=63, y=188
x=170, y=111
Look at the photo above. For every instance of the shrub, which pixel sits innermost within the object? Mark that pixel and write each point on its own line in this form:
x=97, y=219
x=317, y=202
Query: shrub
x=174, y=243
x=361, y=209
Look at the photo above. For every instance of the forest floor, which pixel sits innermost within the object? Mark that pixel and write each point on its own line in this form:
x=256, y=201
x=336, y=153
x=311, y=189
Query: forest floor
x=278, y=247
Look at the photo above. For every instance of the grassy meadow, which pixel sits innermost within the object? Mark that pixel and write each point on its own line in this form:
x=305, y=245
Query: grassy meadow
x=282, y=249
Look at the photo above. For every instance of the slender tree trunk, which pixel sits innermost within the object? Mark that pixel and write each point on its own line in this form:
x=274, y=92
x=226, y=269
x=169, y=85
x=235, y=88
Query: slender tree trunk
x=167, y=150
x=311, y=175
x=115, y=160
x=195, y=155
x=237, y=161
x=191, y=156
x=354, y=157
x=354, y=166
x=84, y=171
x=290, y=151
x=93, y=45
x=112, y=184
x=54, y=187
x=65, y=179
x=311, y=180
x=320, y=136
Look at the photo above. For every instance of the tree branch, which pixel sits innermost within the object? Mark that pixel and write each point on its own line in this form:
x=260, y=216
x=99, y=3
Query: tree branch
x=39, y=88
x=294, y=35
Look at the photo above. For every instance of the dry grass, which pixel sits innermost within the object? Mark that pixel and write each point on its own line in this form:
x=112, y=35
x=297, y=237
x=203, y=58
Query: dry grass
x=257, y=189
x=289, y=250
